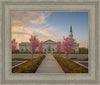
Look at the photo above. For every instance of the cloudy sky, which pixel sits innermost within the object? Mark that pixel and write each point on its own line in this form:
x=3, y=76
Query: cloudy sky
x=50, y=25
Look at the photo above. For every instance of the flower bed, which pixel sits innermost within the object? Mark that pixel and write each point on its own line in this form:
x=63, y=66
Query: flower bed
x=69, y=66
x=30, y=66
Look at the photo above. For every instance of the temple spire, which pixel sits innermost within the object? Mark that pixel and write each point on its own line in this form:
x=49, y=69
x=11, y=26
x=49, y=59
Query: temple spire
x=70, y=33
x=71, y=27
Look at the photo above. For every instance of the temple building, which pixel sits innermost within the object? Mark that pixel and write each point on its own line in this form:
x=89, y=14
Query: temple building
x=48, y=45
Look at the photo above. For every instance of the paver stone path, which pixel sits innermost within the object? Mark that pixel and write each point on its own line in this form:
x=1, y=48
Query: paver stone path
x=49, y=65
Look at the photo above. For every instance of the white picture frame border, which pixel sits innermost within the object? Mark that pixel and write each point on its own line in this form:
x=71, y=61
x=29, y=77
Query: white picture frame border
x=32, y=5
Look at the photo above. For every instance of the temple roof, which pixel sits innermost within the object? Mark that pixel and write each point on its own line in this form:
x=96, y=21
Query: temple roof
x=49, y=41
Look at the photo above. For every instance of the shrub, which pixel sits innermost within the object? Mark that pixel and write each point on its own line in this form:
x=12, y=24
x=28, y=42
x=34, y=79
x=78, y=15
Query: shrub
x=58, y=53
x=79, y=70
x=29, y=67
x=86, y=59
x=70, y=65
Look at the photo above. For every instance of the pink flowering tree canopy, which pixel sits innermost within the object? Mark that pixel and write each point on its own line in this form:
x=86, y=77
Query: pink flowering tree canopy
x=58, y=47
x=40, y=48
x=33, y=43
x=68, y=45
x=14, y=45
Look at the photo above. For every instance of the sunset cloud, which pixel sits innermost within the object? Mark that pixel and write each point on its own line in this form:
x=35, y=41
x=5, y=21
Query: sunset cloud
x=46, y=33
x=24, y=18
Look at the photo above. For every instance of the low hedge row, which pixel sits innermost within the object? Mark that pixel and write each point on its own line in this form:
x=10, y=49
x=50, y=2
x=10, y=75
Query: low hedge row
x=30, y=66
x=68, y=66
x=58, y=53
x=28, y=52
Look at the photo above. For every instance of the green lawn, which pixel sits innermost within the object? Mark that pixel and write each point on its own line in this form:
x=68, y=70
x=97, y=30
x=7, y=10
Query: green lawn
x=19, y=59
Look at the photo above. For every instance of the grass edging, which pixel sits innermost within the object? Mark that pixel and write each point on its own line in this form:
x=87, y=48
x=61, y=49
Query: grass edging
x=69, y=66
x=30, y=66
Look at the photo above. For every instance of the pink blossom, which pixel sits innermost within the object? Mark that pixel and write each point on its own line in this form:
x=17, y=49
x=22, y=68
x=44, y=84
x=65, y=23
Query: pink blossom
x=33, y=43
x=68, y=45
x=58, y=47
x=40, y=48
x=14, y=45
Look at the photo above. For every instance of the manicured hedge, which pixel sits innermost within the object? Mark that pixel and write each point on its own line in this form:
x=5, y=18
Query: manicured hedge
x=58, y=53
x=28, y=53
x=69, y=66
x=30, y=66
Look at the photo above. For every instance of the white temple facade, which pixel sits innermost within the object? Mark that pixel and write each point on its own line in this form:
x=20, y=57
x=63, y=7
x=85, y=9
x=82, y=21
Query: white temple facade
x=48, y=45
x=24, y=47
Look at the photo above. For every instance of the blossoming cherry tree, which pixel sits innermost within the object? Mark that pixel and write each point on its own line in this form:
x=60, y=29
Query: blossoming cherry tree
x=58, y=47
x=34, y=43
x=40, y=48
x=14, y=45
x=68, y=45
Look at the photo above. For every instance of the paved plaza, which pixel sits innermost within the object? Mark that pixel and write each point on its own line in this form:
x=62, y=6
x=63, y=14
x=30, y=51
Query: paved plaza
x=49, y=65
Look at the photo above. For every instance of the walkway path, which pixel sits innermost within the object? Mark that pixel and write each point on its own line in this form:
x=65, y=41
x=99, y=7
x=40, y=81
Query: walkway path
x=49, y=65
